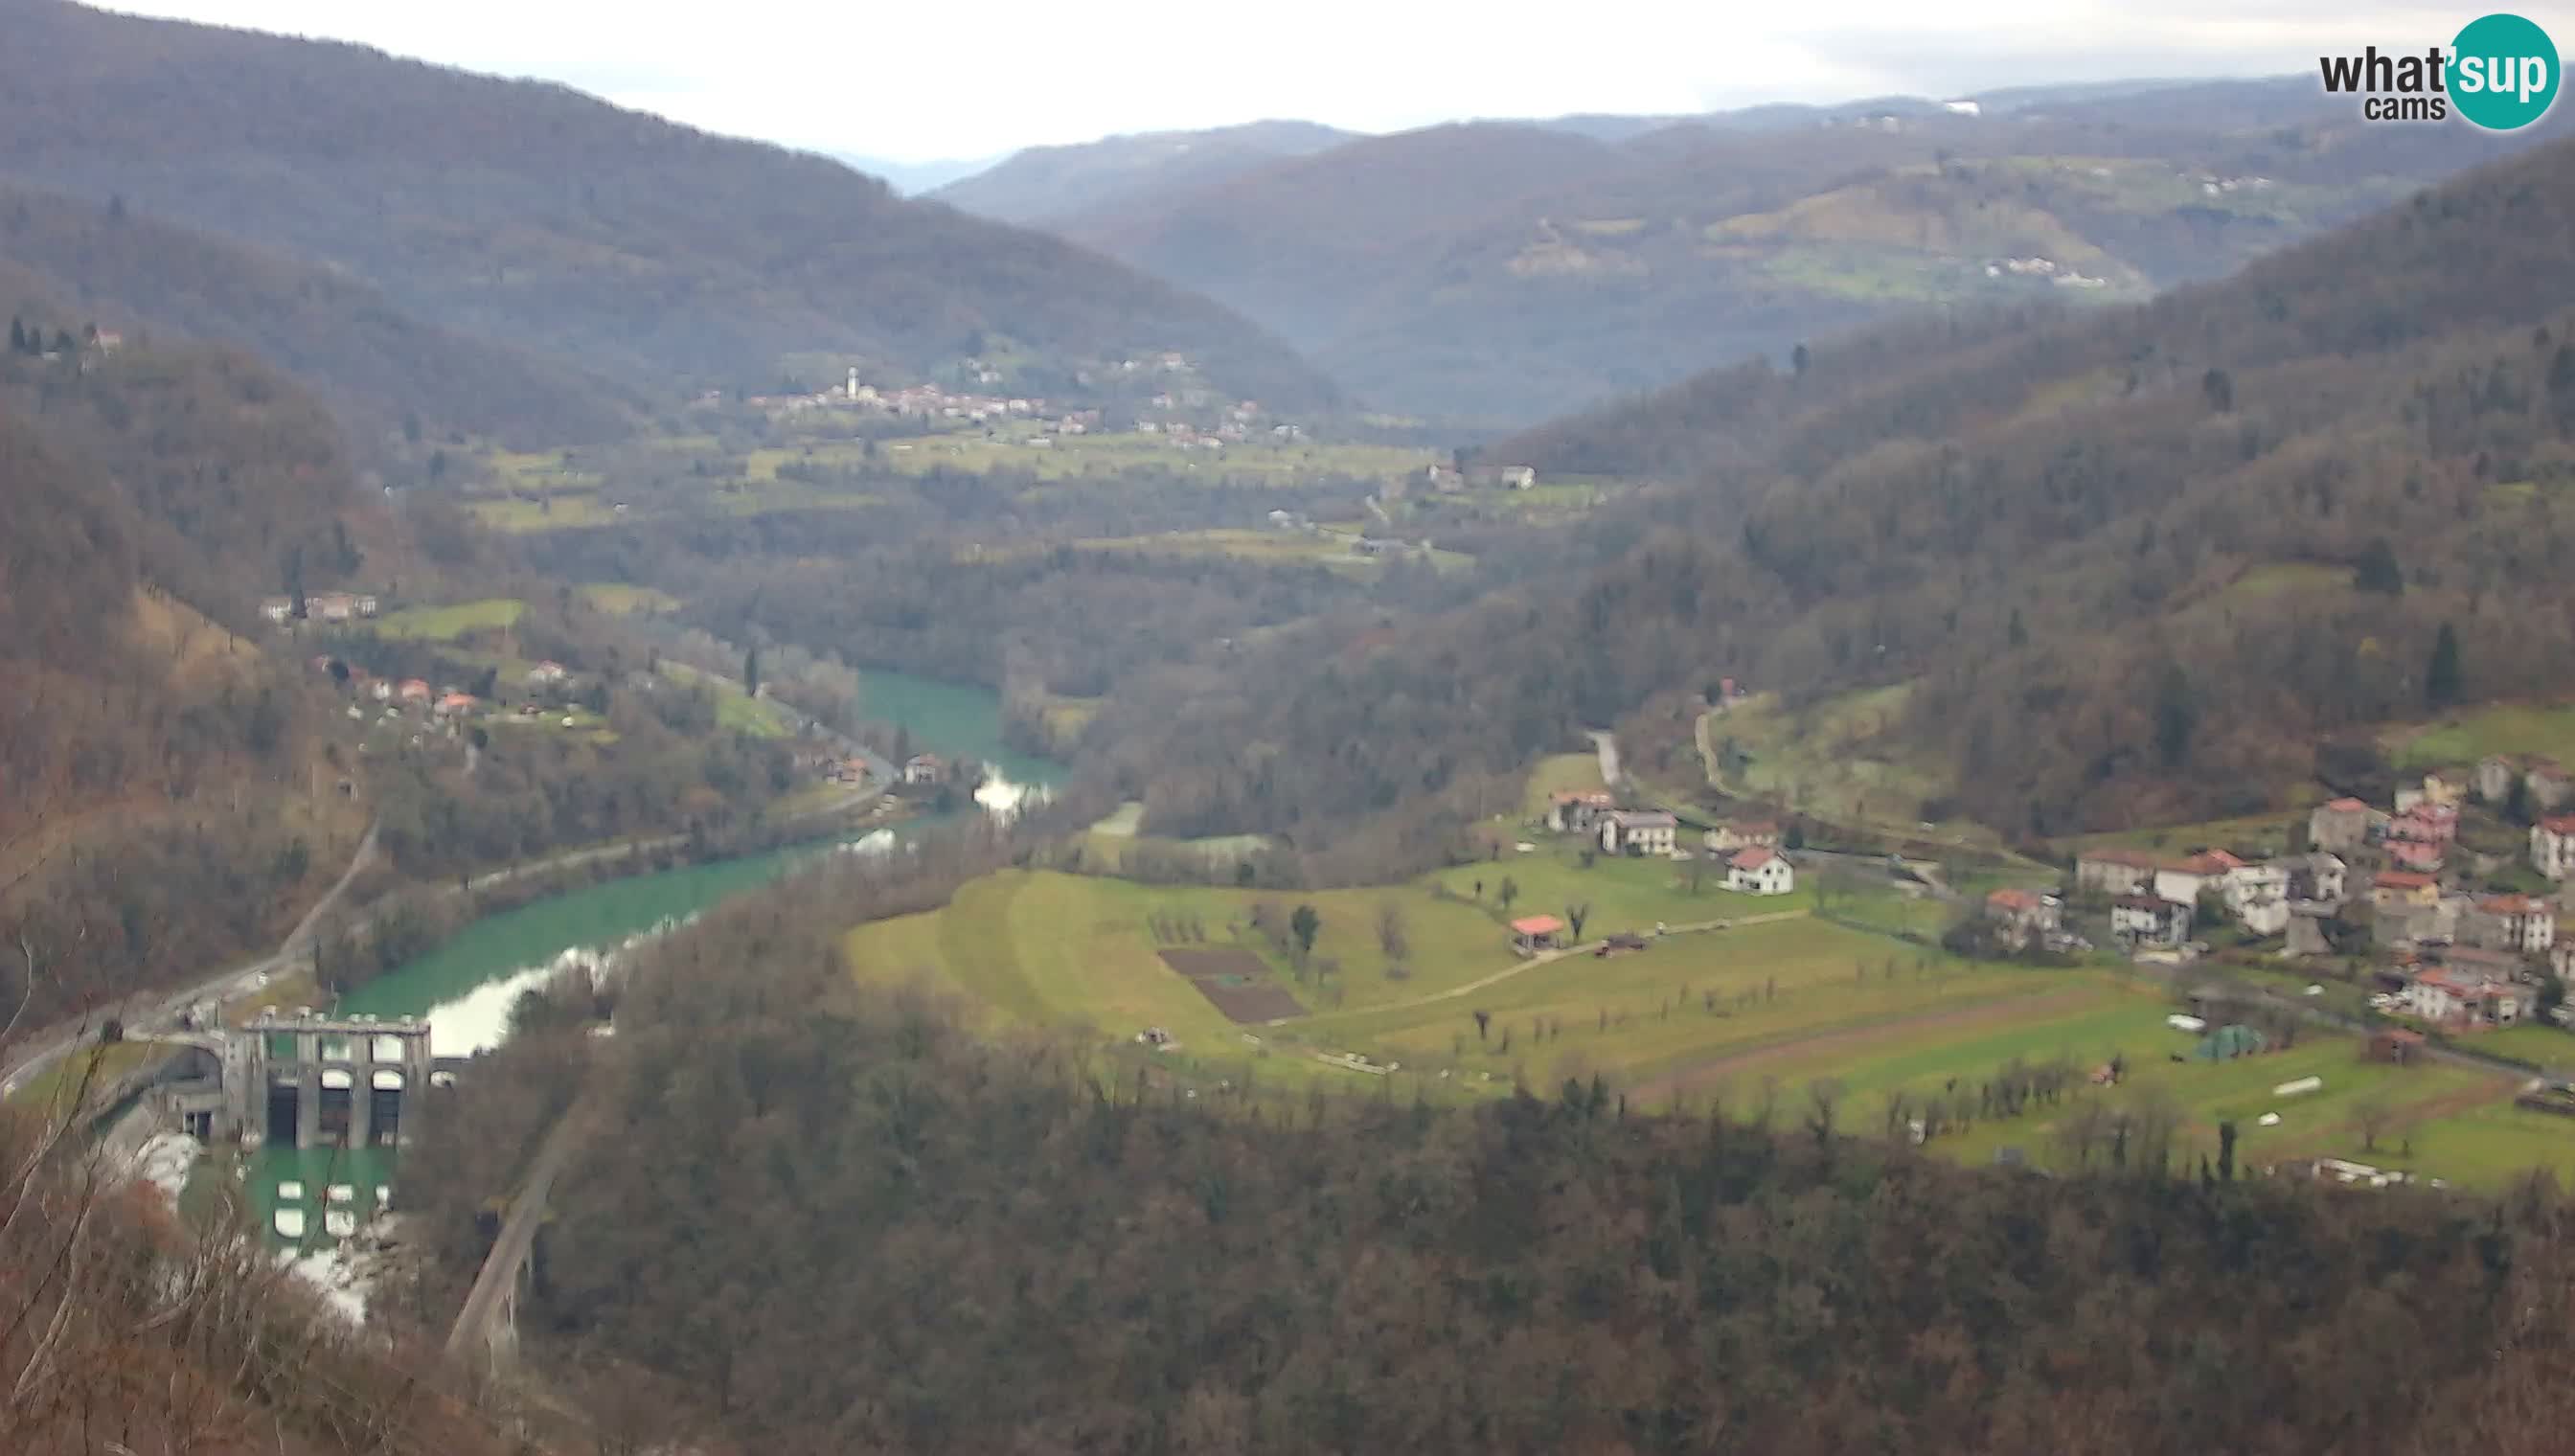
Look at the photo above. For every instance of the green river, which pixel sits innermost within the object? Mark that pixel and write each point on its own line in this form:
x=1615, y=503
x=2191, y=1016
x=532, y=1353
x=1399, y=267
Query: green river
x=466, y=986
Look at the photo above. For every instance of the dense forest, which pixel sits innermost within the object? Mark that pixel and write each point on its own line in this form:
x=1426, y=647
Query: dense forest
x=525, y=211
x=2136, y=563
x=342, y=339
x=859, y=1229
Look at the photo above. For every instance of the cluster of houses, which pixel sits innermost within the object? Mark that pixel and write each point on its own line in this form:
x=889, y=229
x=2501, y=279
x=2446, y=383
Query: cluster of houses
x=1748, y=849
x=2451, y=954
x=1450, y=478
x=321, y=606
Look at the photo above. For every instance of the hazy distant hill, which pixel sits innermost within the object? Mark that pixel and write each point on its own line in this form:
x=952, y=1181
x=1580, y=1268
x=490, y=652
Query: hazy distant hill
x=911, y=179
x=1512, y=270
x=1044, y=183
x=342, y=337
x=531, y=213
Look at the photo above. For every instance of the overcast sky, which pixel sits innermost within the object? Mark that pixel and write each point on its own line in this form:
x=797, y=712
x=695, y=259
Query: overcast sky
x=913, y=82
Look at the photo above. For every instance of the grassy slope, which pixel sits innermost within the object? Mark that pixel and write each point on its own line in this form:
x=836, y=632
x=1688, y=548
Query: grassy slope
x=447, y=623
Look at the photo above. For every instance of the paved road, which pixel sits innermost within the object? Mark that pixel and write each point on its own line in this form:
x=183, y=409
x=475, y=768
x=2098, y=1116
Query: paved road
x=146, y=1009
x=518, y=1235
x=1607, y=745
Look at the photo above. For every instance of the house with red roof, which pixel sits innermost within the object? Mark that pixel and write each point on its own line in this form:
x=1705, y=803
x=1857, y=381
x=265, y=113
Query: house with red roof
x=2023, y=916
x=1760, y=870
x=1534, y=933
x=2552, y=845
x=1577, y=811
x=2457, y=996
x=2516, y=923
x=2185, y=879
x=2417, y=855
x=2115, y=871
x=2340, y=826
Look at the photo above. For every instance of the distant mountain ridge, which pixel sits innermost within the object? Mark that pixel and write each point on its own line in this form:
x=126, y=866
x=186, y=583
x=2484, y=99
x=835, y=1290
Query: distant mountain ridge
x=1500, y=272
x=1039, y=185
x=637, y=249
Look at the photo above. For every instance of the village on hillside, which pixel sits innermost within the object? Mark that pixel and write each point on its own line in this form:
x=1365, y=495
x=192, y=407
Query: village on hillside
x=2455, y=938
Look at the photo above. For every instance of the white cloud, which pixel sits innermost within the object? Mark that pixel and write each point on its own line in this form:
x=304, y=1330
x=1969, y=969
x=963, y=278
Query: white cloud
x=916, y=82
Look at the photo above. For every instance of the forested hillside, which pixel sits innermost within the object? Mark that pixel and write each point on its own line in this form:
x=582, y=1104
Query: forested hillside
x=974, y=1247
x=160, y=768
x=1512, y=271
x=531, y=214
x=2134, y=563
x=338, y=336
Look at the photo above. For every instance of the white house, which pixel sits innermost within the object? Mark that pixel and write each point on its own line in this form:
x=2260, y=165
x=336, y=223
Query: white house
x=2147, y=919
x=2444, y=994
x=276, y=608
x=2519, y=923
x=2316, y=876
x=2258, y=896
x=1760, y=870
x=1633, y=831
x=2207, y=869
x=922, y=769
x=2552, y=845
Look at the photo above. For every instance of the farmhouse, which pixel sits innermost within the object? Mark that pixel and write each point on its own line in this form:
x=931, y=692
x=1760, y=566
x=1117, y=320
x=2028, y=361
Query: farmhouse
x=276, y=608
x=922, y=768
x=2114, y=871
x=1736, y=834
x=1577, y=811
x=1637, y=832
x=2204, y=870
x=2552, y=845
x=2339, y=826
x=1534, y=933
x=2458, y=998
x=544, y=674
x=2494, y=776
x=2259, y=895
x=2514, y=923
x=2023, y=916
x=454, y=705
x=2145, y=919
x=413, y=689
x=1760, y=870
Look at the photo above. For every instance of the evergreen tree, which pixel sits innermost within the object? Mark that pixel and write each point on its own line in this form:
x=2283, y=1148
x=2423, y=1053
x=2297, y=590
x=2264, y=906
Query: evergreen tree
x=751, y=673
x=17, y=336
x=2441, y=679
x=2378, y=571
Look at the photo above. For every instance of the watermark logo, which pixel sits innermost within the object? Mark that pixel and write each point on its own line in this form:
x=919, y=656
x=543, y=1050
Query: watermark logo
x=2500, y=74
